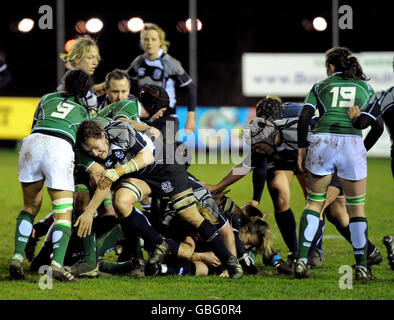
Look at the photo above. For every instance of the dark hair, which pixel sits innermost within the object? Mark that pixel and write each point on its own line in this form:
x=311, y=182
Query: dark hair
x=153, y=98
x=88, y=129
x=116, y=74
x=77, y=83
x=269, y=109
x=343, y=61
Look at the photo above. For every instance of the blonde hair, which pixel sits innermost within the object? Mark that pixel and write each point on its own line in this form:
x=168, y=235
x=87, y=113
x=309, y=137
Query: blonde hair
x=79, y=50
x=259, y=227
x=162, y=35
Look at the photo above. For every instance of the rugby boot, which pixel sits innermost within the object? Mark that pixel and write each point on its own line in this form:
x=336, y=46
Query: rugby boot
x=388, y=241
x=234, y=268
x=160, y=251
x=364, y=274
x=16, y=269
x=61, y=274
x=83, y=270
x=302, y=270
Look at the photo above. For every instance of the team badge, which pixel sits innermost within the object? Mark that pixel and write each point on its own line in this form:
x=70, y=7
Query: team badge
x=141, y=72
x=166, y=186
x=157, y=74
x=119, y=154
x=109, y=163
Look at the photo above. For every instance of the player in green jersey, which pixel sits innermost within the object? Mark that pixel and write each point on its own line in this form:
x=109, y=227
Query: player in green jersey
x=336, y=146
x=47, y=156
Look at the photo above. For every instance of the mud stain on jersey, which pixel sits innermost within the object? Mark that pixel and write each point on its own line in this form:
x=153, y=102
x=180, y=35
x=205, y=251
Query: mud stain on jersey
x=27, y=156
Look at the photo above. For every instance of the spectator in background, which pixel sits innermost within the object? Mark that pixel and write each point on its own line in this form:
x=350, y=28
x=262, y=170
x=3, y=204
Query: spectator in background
x=157, y=67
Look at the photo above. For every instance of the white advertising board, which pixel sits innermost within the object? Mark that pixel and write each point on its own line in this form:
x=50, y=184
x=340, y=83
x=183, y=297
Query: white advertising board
x=293, y=74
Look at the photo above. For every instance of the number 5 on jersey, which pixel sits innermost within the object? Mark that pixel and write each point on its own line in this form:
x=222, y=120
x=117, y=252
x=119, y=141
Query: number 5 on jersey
x=63, y=109
x=343, y=97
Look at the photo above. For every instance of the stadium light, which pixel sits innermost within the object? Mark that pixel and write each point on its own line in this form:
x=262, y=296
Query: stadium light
x=319, y=23
x=135, y=24
x=80, y=26
x=94, y=25
x=189, y=25
x=25, y=25
x=68, y=45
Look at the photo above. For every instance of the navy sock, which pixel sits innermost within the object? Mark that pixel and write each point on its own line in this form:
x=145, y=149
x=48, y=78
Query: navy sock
x=258, y=177
x=174, y=246
x=288, y=228
x=211, y=235
x=136, y=223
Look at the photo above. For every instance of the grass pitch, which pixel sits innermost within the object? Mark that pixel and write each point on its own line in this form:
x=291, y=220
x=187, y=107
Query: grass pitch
x=267, y=285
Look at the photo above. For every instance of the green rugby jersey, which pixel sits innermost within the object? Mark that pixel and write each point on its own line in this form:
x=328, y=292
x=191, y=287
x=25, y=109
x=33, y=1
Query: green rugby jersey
x=125, y=108
x=333, y=97
x=59, y=115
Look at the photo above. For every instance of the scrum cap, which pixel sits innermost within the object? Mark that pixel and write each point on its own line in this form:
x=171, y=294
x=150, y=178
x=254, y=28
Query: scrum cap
x=153, y=98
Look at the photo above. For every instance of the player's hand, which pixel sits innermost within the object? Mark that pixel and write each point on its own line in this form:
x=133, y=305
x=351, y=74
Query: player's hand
x=108, y=177
x=209, y=258
x=99, y=88
x=84, y=224
x=353, y=112
x=301, y=159
x=153, y=132
x=224, y=274
x=157, y=115
x=220, y=197
x=253, y=203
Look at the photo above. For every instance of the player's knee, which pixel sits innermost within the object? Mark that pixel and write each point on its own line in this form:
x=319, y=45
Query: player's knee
x=62, y=208
x=315, y=200
x=201, y=268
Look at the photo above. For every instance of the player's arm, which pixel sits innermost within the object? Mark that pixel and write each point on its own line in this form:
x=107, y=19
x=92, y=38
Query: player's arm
x=304, y=121
x=85, y=220
x=237, y=172
x=364, y=120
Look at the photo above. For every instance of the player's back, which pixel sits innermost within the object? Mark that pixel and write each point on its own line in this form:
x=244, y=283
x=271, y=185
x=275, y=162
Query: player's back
x=334, y=96
x=60, y=115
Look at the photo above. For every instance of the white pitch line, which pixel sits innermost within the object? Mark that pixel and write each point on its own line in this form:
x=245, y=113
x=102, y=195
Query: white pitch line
x=331, y=236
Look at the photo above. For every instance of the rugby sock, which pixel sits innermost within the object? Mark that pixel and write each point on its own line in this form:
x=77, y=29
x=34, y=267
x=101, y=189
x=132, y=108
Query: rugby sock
x=184, y=269
x=89, y=246
x=137, y=223
x=211, y=235
x=115, y=267
x=309, y=225
x=107, y=240
x=24, y=227
x=318, y=238
x=41, y=227
x=288, y=228
x=60, y=238
x=258, y=177
x=174, y=246
x=359, y=234
x=345, y=232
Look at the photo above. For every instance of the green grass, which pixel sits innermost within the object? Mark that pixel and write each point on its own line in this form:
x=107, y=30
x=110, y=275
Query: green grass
x=324, y=283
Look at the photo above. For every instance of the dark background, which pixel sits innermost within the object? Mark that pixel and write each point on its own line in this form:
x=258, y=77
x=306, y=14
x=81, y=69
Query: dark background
x=230, y=28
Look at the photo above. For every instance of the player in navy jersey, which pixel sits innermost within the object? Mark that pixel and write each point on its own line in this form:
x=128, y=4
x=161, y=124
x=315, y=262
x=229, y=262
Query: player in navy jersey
x=157, y=67
x=124, y=153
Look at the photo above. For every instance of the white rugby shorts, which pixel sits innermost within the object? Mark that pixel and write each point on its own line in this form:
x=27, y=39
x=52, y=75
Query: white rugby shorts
x=346, y=153
x=47, y=157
